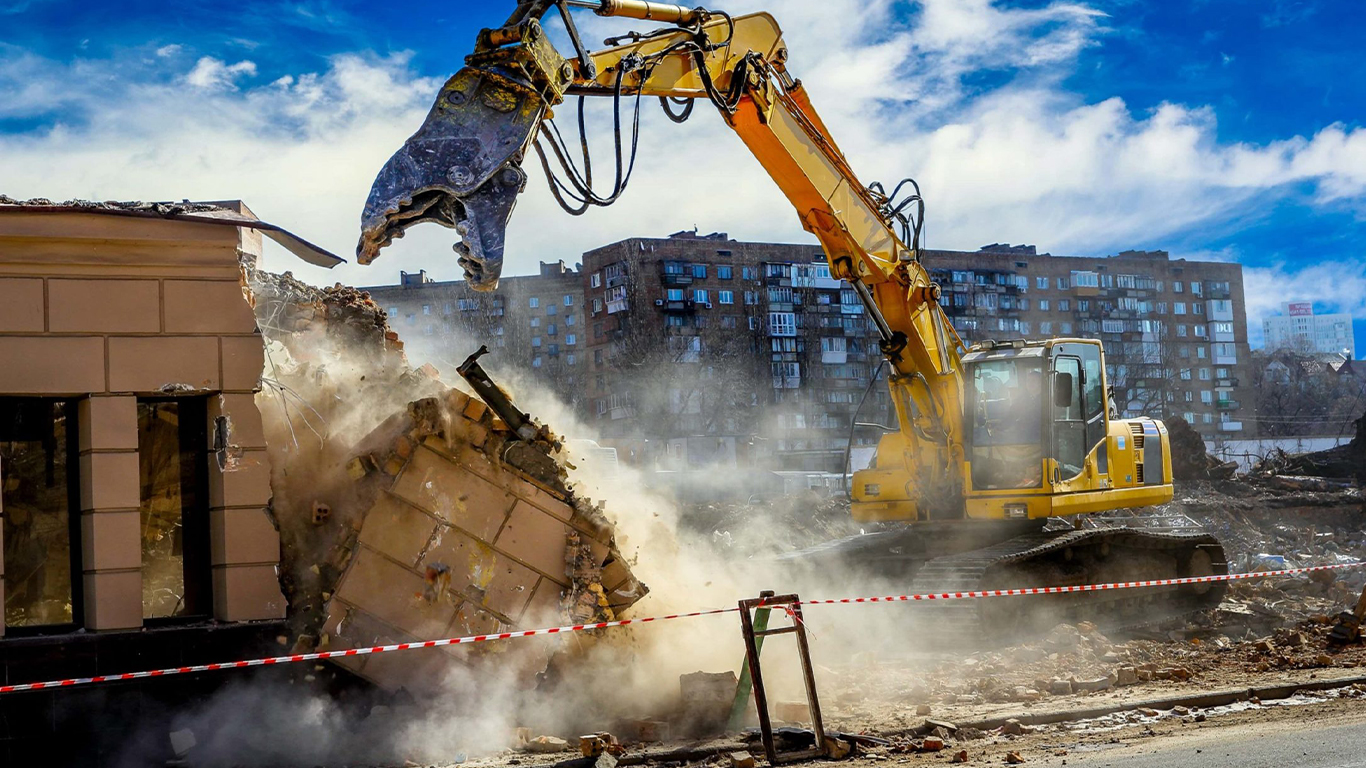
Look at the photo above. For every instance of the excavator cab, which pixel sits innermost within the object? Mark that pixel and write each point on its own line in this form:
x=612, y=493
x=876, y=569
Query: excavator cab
x=1038, y=442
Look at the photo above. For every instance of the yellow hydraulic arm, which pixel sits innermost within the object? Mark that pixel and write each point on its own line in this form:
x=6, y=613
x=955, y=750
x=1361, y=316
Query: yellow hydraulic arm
x=462, y=169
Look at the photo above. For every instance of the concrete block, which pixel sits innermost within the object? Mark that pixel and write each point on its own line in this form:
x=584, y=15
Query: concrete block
x=438, y=485
x=246, y=486
x=535, y=538
x=21, y=305
x=51, y=365
x=103, y=306
x=243, y=361
x=481, y=575
x=110, y=481
x=113, y=599
x=397, y=529
x=111, y=540
x=393, y=594
x=148, y=364
x=207, y=306
x=241, y=410
x=242, y=536
x=108, y=423
x=246, y=593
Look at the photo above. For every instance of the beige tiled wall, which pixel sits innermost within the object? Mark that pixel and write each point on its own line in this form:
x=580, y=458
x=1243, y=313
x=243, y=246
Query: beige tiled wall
x=106, y=309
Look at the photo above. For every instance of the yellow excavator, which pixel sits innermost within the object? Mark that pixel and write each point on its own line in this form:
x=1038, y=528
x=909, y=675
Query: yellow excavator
x=993, y=440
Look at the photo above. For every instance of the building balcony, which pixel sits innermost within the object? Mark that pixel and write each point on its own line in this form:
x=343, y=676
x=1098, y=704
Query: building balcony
x=675, y=279
x=1225, y=383
x=1230, y=426
x=1226, y=405
x=1218, y=294
x=676, y=307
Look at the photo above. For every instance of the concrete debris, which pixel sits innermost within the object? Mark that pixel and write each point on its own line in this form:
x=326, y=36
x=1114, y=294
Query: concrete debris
x=182, y=741
x=1014, y=727
x=961, y=756
x=1014, y=758
x=546, y=745
x=741, y=760
x=403, y=512
x=931, y=744
x=706, y=699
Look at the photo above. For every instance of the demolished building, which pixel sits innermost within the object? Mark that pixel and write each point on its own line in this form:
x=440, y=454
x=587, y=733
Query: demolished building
x=186, y=480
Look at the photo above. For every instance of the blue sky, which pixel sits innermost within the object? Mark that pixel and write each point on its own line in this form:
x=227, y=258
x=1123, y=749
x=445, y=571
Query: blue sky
x=1225, y=129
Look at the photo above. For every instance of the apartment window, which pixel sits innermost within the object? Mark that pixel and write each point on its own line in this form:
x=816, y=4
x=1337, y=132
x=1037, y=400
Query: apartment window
x=1178, y=287
x=448, y=308
x=675, y=294
x=1083, y=305
x=1043, y=305
x=174, y=508
x=728, y=321
x=699, y=295
x=467, y=305
x=1221, y=373
x=39, y=466
x=674, y=321
x=1185, y=374
x=1204, y=374
x=699, y=271
x=597, y=359
x=595, y=280
x=535, y=322
x=748, y=273
x=429, y=330
x=1066, y=329
x=536, y=361
x=1206, y=396
x=1040, y=282
x=1063, y=284
x=778, y=270
x=1181, y=331
x=724, y=272
x=1085, y=279
x=1200, y=331
x=1064, y=305
x=568, y=300
x=751, y=298
x=534, y=302
x=550, y=309
x=597, y=306
x=754, y=323
x=1045, y=327
x=393, y=312
x=550, y=330
x=673, y=267
x=1188, y=396
x=1200, y=352
x=1199, y=308
x=1183, y=351
x=570, y=339
x=569, y=320
x=782, y=324
x=726, y=297
x=535, y=341
x=1161, y=307
x=426, y=309
x=569, y=357
x=1180, y=307
x=1196, y=288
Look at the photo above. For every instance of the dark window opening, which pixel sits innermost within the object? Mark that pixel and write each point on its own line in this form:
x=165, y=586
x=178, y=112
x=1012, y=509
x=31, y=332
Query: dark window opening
x=39, y=473
x=173, y=468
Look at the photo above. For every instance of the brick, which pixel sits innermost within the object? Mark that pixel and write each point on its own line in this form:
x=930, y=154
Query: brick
x=242, y=536
x=207, y=306
x=535, y=538
x=393, y=594
x=243, y=361
x=108, y=423
x=110, y=481
x=148, y=364
x=51, y=365
x=248, y=431
x=113, y=599
x=397, y=529
x=547, y=502
x=481, y=575
x=103, y=306
x=246, y=593
x=463, y=499
x=246, y=486
x=21, y=305
x=111, y=540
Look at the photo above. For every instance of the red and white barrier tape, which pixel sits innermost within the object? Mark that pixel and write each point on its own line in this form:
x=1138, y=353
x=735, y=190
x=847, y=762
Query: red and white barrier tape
x=323, y=655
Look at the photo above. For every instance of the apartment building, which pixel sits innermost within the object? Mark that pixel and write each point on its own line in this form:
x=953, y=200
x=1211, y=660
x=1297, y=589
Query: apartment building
x=1175, y=331
x=532, y=324
x=701, y=349
x=1298, y=329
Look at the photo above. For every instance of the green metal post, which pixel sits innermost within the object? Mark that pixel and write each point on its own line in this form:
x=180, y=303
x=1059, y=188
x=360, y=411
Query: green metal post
x=746, y=684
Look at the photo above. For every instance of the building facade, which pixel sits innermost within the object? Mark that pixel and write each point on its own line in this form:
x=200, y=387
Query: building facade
x=1297, y=329
x=532, y=324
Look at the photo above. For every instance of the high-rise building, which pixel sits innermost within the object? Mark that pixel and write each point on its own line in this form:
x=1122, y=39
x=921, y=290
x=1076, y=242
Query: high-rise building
x=533, y=324
x=1175, y=331
x=1298, y=329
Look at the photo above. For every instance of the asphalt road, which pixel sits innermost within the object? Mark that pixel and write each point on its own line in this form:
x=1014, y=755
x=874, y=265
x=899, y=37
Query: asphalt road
x=1313, y=746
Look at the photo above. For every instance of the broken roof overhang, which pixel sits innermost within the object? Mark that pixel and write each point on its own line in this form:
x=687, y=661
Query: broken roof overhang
x=198, y=213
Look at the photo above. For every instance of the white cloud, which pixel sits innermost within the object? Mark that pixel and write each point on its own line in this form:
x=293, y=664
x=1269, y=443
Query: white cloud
x=1026, y=161
x=213, y=74
x=167, y=51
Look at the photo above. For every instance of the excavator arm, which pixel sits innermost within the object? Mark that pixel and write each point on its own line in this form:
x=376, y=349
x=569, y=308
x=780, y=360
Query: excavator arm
x=463, y=169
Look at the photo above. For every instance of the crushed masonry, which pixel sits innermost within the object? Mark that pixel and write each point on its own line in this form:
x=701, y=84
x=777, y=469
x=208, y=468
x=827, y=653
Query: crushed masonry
x=407, y=509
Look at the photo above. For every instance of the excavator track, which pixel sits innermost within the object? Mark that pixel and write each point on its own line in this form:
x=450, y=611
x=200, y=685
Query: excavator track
x=1068, y=558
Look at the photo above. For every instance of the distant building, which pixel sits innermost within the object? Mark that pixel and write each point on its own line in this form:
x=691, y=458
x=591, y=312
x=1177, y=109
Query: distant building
x=1298, y=329
x=533, y=324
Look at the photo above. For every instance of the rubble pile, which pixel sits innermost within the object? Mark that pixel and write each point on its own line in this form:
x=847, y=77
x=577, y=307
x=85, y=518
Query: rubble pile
x=766, y=527
x=1345, y=461
x=406, y=509
x=1190, y=461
